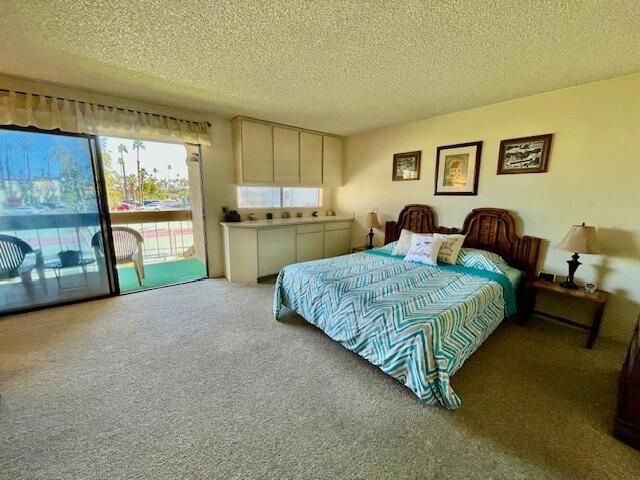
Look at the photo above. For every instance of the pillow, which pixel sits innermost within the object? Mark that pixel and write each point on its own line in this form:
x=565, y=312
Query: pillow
x=404, y=242
x=482, y=260
x=450, y=248
x=424, y=249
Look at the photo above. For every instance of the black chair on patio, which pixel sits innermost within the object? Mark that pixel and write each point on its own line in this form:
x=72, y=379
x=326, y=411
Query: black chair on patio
x=18, y=259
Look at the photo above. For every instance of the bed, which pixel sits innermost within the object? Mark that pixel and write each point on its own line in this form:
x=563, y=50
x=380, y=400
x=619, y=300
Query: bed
x=417, y=323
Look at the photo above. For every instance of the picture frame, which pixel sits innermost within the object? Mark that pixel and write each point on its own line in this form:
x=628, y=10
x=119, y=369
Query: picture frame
x=406, y=166
x=524, y=155
x=458, y=169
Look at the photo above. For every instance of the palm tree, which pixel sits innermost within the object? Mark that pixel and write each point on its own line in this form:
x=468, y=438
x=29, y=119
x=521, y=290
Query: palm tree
x=137, y=146
x=155, y=172
x=169, y=168
x=122, y=149
x=25, y=143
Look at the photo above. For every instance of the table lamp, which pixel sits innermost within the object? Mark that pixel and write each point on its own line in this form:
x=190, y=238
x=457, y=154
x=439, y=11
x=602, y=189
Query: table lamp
x=372, y=222
x=579, y=239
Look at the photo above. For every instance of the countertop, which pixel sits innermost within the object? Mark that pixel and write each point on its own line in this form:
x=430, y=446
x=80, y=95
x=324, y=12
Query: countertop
x=280, y=222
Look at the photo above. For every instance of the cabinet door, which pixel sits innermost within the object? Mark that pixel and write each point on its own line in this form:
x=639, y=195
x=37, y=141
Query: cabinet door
x=286, y=155
x=310, y=158
x=332, y=161
x=276, y=248
x=337, y=242
x=257, y=152
x=310, y=246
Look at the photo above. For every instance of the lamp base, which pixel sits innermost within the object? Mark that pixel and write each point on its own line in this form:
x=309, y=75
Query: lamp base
x=370, y=239
x=573, y=266
x=569, y=285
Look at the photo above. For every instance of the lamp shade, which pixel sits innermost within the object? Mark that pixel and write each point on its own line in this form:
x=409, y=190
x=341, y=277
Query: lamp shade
x=372, y=220
x=580, y=239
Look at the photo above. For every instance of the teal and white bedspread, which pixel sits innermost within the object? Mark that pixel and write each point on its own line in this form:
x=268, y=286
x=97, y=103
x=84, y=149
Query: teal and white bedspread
x=417, y=323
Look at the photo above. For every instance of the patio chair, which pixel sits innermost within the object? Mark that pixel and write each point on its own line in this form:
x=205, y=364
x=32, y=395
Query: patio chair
x=18, y=259
x=127, y=244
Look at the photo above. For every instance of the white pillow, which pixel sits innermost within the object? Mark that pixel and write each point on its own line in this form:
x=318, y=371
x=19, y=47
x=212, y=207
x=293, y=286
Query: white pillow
x=404, y=242
x=450, y=248
x=424, y=249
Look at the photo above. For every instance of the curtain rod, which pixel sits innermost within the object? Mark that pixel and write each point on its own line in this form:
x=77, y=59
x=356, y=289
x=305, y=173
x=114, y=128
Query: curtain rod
x=103, y=106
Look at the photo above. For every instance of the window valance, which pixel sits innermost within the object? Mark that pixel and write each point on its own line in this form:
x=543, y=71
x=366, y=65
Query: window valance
x=48, y=113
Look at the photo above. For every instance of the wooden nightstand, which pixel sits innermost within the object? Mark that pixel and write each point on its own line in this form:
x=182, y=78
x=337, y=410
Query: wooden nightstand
x=599, y=298
x=361, y=248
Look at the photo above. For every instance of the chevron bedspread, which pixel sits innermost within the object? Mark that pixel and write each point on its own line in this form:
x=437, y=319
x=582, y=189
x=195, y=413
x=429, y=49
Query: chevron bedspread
x=417, y=323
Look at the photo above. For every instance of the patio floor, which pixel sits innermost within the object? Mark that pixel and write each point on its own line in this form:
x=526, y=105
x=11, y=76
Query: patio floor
x=160, y=274
x=74, y=286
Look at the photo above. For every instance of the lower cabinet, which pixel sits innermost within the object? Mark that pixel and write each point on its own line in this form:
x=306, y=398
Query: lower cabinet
x=309, y=246
x=337, y=242
x=253, y=252
x=276, y=248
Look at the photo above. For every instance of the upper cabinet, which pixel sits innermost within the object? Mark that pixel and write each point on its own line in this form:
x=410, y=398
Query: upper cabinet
x=271, y=154
x=255, y=145
x=286, y=155
x=310, y=158
x=332, y=161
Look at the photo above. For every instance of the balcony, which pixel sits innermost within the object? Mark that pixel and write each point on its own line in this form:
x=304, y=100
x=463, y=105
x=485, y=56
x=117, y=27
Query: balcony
x=172, y=253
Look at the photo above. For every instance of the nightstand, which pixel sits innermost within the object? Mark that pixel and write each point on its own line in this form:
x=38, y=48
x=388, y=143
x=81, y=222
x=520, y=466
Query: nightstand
x=361, y=248
x=598, y=298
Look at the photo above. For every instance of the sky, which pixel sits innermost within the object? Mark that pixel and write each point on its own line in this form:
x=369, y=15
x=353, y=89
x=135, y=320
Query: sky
x=39, y=146
x=155, y=155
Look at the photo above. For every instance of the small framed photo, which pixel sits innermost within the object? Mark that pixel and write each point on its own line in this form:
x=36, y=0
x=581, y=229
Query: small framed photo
x=406, y=166
x=457, y=169
x=524, y=155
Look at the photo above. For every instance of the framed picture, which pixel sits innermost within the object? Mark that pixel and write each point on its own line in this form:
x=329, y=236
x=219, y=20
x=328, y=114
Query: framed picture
x=406, y=166
x=457, y=169
x=524, y=155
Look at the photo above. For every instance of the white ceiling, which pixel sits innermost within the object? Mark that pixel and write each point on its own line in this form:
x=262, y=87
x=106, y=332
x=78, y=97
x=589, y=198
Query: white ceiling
x=337, y=66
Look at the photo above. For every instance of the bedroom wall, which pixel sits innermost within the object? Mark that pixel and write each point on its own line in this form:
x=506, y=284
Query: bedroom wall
x=593, y=176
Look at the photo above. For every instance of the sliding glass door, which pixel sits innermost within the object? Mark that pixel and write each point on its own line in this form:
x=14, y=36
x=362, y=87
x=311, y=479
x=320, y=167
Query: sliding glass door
x=53, y=243
x=155, y=203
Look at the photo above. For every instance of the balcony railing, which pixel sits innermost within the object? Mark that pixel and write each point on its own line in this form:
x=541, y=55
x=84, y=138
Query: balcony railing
x=167, y=233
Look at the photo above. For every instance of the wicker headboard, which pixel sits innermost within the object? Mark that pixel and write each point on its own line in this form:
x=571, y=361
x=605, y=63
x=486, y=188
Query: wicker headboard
x=492, y=229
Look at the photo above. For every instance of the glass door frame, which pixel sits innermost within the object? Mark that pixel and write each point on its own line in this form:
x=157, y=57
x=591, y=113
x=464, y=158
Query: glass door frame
x=204, y=219
x=103, y=217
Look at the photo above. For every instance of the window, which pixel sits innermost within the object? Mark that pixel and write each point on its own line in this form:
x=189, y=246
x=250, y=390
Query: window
x=301, y=197
x=258, y=197
x=276, y=197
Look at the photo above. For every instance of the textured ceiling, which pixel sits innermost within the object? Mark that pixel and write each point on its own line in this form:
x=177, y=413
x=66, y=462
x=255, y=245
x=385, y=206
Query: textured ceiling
x=337, y=66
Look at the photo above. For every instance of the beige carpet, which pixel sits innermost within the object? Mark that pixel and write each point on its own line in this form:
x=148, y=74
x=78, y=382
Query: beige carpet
x=198, y=381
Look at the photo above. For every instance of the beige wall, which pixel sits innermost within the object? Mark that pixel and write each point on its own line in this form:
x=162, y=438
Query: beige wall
x=594, y=176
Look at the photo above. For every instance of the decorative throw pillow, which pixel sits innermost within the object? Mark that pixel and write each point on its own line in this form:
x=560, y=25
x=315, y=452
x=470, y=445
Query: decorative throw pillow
x=424, y=249
x=404, y=242
x=450, y=248
x=483, y=260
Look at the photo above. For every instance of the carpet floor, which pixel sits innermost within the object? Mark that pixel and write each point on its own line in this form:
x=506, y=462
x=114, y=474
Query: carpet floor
x=199, y=382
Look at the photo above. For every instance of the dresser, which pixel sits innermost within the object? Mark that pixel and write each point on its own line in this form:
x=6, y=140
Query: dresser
x=627, y=424
x=260, y=248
